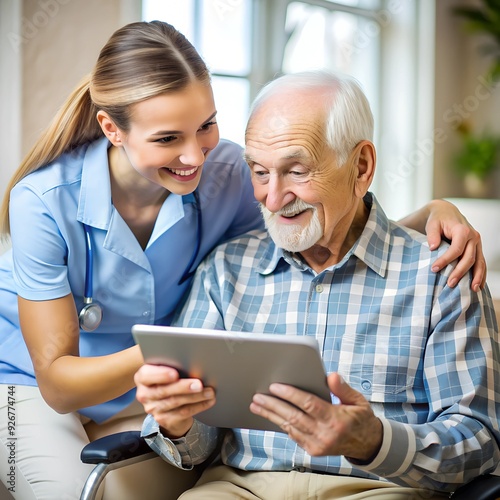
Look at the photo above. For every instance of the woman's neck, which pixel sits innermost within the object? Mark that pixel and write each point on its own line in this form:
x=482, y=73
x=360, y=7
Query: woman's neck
x=136, y=199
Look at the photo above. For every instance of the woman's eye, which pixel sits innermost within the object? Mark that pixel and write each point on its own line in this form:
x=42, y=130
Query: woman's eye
x=207, y=125
x=167, y=139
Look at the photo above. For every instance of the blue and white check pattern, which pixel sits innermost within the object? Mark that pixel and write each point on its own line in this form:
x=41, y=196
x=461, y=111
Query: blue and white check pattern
x=425, y=355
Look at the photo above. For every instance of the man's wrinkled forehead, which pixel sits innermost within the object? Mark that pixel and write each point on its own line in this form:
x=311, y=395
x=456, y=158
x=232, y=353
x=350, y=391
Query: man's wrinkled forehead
x=278, y=124
x=270, y=117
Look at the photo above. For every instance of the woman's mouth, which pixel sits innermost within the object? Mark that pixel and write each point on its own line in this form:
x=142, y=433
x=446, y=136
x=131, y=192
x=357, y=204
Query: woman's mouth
x=183, y=174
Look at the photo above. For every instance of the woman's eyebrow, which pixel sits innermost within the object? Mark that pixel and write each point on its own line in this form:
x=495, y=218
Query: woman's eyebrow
x=174, y=132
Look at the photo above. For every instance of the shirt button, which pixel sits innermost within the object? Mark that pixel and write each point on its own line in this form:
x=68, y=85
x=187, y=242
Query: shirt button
x=319, y=288
x=145, y=313
x=366, y=385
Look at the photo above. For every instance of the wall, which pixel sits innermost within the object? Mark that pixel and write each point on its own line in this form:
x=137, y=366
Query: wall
x=60, y=54
x=461, y=93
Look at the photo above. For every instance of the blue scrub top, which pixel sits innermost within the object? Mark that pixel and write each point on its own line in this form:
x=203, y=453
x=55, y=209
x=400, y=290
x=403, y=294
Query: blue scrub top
x=133, y=285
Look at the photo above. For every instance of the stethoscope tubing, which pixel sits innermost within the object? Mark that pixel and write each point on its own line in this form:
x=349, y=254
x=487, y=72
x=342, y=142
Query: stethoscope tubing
x=89, y=265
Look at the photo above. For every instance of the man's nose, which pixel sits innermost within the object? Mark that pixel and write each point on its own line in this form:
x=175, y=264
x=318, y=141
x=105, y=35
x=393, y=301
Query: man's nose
x=278, y=195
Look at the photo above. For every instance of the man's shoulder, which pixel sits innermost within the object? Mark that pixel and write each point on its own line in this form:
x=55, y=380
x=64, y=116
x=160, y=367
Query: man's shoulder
x=406, y=237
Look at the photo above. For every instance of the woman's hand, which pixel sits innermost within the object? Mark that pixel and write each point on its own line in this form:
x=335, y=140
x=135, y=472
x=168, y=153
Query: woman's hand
x=439, y=219
x=171, y=400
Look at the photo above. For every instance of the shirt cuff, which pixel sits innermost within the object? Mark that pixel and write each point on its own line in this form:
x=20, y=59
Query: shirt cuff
x=396, y=453
x=185, y=452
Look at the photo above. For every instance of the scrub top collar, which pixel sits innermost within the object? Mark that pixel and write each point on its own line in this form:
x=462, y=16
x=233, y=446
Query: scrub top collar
x=95, y=206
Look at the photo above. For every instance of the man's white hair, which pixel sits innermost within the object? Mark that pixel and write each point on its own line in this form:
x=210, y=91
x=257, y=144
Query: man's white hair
x=350, y=119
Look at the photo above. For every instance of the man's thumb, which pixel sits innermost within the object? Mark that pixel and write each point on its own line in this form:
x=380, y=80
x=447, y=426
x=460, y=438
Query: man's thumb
x=340, y=388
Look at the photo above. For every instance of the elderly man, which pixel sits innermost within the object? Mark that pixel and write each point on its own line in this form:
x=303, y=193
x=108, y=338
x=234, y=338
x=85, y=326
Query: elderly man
x=414, y=363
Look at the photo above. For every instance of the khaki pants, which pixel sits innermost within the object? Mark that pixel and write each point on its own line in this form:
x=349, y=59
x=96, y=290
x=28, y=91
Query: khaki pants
x=40, y=452
x=226, y=483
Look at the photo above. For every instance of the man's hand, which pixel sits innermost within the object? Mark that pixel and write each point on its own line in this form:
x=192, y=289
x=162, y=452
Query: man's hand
x=171, y=400
x=321, y=428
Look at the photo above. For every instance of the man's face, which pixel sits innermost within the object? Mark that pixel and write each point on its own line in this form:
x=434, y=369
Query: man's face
x=305, y=196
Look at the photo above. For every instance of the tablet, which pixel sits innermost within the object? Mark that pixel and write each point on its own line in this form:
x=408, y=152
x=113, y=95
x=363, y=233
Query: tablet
x=237, y=365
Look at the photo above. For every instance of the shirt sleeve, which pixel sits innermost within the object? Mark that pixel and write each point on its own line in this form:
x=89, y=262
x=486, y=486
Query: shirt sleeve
x=185, y=452
x=460, y=439
x=39, y=250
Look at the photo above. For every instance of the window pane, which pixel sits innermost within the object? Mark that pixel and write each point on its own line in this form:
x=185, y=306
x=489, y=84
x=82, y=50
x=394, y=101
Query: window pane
x=364, y=4
x=225, y=36
x=333, y=40
x=178, y=14
x=232, y=103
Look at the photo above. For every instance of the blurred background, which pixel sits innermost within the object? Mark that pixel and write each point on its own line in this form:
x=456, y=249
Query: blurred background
x=429, y=68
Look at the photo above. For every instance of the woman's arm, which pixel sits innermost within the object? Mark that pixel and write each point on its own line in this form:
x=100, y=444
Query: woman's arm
x=68, y=382
x=441, y=219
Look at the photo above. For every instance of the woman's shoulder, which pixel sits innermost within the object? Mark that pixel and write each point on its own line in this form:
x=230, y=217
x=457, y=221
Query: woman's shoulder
x=64, y=170
x=226, y=152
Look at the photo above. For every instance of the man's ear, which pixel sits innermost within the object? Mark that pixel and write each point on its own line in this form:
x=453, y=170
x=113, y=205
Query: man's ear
x=111, y=131
x=365, y=159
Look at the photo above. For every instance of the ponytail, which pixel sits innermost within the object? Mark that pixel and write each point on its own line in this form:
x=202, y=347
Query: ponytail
x=74, y=124
x=139, y=61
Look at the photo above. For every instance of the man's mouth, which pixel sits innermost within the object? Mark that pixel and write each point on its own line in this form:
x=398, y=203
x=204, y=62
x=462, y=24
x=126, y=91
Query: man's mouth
x=291, y=214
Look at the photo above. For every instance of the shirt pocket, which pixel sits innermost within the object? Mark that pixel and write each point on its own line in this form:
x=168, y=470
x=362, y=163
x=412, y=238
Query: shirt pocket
x=384, y=366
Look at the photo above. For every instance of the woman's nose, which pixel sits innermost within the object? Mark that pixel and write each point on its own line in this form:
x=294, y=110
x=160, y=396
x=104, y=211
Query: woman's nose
x=193, y=154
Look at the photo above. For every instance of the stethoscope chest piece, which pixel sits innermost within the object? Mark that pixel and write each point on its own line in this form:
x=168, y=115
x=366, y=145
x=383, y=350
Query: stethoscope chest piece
x=90, y=316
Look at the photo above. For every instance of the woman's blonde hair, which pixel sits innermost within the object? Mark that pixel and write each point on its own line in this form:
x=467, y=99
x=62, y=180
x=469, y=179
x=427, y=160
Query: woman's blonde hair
x=140, y=60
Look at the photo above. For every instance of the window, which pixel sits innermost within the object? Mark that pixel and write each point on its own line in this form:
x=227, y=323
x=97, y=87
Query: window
x=380, y=42
x=220, y=31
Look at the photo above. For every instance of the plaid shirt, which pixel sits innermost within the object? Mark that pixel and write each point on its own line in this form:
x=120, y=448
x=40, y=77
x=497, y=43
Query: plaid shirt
x=426, y=356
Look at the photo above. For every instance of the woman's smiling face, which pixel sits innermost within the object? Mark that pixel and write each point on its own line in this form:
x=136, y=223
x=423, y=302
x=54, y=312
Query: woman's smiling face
x=171, y=135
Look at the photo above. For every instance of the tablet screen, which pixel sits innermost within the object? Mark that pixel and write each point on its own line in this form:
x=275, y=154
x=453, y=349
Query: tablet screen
x=237, y=365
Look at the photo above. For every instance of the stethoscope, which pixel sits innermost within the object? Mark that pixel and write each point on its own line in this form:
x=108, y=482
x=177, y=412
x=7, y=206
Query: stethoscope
x=90, y=316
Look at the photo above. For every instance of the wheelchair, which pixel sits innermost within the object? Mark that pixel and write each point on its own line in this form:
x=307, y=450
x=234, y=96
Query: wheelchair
x=127, y=448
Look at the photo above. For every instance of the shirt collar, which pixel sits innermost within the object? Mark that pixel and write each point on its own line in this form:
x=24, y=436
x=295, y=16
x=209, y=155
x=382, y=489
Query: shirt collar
x=94, y=206
x=372, y=247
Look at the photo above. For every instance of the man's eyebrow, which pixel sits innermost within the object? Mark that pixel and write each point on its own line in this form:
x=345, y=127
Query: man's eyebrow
x=174, y=132
x=248, y=158
x=298, y=154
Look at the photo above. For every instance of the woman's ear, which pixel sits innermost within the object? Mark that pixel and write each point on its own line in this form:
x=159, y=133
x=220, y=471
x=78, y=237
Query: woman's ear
x=111, y=131
x=366, y=159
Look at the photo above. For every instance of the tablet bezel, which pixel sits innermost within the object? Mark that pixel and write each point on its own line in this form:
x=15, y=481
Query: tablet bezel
x=237, y=365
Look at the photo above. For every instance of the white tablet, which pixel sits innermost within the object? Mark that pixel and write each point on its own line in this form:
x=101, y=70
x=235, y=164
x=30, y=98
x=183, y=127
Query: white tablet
x=236, y=365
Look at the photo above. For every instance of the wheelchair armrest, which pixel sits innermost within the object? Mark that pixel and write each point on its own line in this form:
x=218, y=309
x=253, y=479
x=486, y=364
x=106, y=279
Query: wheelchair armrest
x=115, y=448
x=485, y=487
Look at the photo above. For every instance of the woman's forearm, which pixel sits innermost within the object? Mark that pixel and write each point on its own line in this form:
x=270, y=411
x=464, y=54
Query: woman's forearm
x=73, y=382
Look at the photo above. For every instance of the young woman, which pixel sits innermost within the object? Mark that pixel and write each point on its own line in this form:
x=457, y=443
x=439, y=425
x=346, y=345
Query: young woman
x=109, y=215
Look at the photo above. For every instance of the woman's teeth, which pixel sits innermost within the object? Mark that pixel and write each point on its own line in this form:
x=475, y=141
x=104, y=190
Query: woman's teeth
x=183, y=173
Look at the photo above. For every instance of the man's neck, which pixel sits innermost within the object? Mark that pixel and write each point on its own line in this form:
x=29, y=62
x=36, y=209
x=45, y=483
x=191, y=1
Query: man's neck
x=320, y=257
